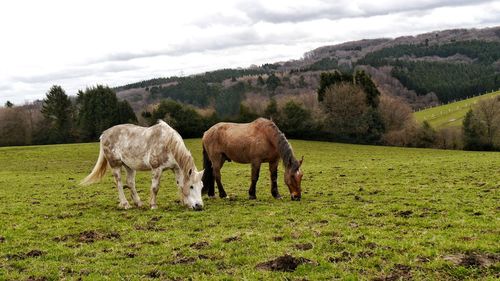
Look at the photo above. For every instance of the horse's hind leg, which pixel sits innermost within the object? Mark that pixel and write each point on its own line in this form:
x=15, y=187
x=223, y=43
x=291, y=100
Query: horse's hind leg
x=273, y=170
x=155, y=185
x=123, y=200
x=131, y=185
x=255, y=178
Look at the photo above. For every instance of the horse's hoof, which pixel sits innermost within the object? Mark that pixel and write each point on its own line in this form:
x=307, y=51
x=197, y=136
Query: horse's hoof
x=222, y=196
x=154, y=207
x=125, y=205
x=278, y=197
x=252, y=197
x=139, y=204
x=211, y=196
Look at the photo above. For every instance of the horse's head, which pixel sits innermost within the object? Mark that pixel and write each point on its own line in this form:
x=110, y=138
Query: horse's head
x=191, y=190
x=293, y=178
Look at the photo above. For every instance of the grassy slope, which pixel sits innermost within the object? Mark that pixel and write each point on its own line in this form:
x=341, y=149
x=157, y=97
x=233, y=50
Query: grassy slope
x=368, y=212
x=452, y=114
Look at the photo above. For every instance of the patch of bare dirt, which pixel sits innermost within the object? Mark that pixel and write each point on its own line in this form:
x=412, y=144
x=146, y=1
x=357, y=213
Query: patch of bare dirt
x=404, y=214
x=37, y=278
x=473, y=259
x=183, y=260
x=232, y=239
x=199, y=245
x=21, y=256
x=304, y=246
x=154, y=273
x=88, y=236
x=286, y=263
x=131, y=255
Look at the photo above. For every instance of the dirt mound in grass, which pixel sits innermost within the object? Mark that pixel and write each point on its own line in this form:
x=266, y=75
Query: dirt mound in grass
x=285, y=263
x=88, y=236
x=304, y=246
x=473, y=259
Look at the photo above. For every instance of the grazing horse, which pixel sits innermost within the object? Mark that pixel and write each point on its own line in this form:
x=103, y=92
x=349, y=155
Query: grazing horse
x=257, y=142
x=155, y=148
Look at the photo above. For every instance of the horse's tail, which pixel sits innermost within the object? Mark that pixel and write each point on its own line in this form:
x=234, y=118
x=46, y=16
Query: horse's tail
x=208, y=174
x=99, y=169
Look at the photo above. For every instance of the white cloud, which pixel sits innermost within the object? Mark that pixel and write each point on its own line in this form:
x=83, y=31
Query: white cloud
x=81, y=43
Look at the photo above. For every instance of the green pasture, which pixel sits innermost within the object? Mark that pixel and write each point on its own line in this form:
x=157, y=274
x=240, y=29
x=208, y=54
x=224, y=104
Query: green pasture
x=452, y=114
x=367, y=213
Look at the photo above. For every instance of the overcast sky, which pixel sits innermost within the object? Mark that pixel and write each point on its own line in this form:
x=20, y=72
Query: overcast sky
x=77, y=44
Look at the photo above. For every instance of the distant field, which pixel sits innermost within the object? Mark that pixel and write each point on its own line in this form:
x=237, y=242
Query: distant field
x=452, y=114
x=376, y=213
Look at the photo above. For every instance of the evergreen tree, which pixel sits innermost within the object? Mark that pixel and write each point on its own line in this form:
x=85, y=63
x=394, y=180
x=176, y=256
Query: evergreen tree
x=260, y=81
x=271, y=111
x=8, y=104
x=246, y=115
x=296, y=121
x=126, y=113
x=372, y=93
x=273, y=82
x=471, y=132
x=57, y=109
x=98, y=110
x=426, y=136
x=184, y=119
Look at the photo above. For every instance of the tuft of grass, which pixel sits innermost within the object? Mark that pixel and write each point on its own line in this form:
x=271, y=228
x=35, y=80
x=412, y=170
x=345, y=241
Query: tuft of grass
x=452, y=114
x=367, y=212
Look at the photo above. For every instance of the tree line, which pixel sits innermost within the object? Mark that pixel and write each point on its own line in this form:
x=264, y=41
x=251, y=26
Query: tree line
x=59, y=118
x=351, y=109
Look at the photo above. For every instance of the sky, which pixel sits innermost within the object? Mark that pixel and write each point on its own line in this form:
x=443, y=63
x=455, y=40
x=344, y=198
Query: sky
x=78, y=44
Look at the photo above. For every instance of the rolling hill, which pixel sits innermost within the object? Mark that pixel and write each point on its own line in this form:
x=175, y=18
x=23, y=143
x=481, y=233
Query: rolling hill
x=452, y=114
x=424, y=70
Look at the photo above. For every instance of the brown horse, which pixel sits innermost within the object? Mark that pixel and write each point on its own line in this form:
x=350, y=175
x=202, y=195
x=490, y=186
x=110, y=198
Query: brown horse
x=257, y=142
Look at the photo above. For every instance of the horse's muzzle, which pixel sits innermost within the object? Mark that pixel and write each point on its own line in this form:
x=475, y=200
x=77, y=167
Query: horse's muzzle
x=295, y=198
x=198, y=207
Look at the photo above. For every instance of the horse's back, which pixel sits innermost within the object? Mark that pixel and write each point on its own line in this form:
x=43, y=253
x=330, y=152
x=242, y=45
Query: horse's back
x=241, y=142
x=140, y=148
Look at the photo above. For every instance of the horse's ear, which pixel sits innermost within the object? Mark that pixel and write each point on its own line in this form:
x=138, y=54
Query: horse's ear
x=200, y=174
x=301, y=160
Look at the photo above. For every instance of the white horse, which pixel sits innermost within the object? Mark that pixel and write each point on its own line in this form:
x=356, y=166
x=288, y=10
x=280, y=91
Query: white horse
x=155, y=148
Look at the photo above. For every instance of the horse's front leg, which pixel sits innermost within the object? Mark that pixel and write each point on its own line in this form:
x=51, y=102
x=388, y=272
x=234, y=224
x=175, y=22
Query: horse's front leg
x=255, y=178
x=220, y=187
x=155, y=185
x=123, y=200
x=273, y=170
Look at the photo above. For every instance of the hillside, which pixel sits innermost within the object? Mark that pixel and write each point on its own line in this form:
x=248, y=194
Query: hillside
x=424, y=70
x=452, y=114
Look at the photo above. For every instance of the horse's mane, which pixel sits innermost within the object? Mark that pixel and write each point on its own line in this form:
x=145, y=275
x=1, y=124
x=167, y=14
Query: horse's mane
x=284, y=148
x=176, y=145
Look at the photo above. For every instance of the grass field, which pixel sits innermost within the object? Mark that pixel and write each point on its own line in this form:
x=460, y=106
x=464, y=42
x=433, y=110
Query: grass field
x=375, y=213
x=452, y=114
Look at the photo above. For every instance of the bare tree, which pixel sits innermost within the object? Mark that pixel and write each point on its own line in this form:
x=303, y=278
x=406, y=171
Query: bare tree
x=488, y=113
x=345, y=107
x=395, y=113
